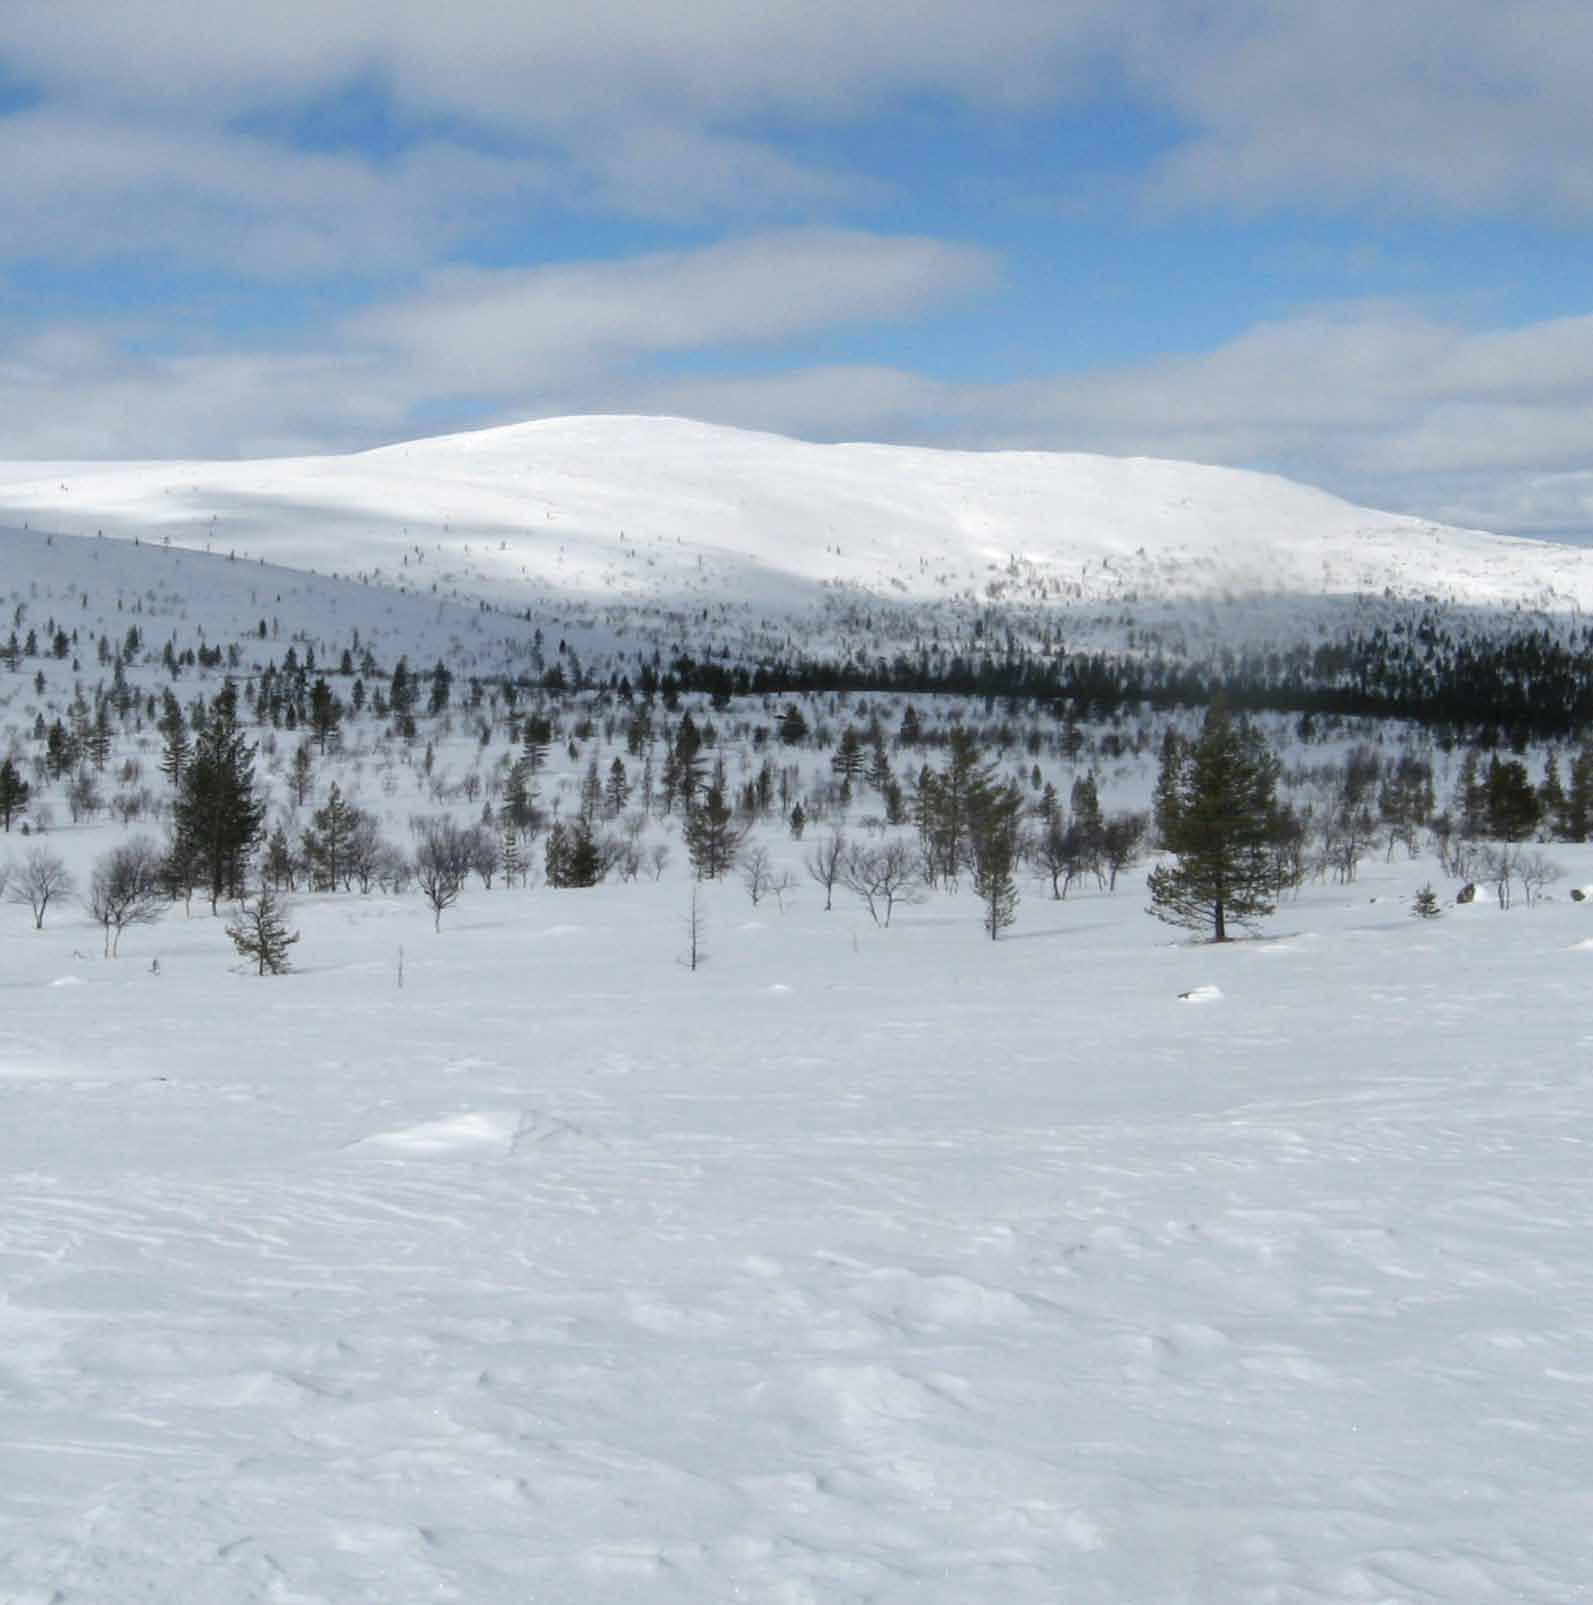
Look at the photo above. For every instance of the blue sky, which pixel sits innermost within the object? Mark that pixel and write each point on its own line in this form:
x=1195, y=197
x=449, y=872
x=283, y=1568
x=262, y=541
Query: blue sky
x=1348, y=243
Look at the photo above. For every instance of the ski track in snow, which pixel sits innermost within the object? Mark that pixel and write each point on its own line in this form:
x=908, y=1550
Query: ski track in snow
x=535, y=1281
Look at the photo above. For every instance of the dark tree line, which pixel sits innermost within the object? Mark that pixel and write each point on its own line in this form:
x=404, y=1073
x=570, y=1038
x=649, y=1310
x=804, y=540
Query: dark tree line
x=1501, y=685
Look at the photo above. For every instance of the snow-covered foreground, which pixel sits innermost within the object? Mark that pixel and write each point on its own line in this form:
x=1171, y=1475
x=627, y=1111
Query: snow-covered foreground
x=859, y=1265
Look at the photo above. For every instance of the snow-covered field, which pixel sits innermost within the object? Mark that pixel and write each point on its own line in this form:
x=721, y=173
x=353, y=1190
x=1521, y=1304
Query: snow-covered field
x=860, y=1265
x=518, y=1262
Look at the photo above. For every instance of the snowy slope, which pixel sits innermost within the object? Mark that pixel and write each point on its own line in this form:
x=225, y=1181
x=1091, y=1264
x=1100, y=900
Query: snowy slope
x=95, y=585
x=662, y=512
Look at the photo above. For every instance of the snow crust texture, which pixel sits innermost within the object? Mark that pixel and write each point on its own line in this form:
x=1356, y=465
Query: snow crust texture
x=889, y=1266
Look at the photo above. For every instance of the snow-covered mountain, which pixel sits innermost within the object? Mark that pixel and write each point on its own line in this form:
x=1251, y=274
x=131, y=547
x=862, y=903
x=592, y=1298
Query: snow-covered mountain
x=660, y=514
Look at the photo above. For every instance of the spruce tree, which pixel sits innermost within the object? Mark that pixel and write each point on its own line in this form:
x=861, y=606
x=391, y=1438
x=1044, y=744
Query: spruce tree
x=1216, y=803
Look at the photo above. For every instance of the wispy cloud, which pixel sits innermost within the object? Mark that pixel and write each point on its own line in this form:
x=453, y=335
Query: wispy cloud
x=473, y=331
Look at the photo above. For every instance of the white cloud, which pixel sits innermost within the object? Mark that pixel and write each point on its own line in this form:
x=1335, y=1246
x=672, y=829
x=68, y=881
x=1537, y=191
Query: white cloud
x=1462, y=107
x=621, y=104
x=80, y=187
x=474, y=332
x=1458, y=104
x=527, y=340
x=536, y=67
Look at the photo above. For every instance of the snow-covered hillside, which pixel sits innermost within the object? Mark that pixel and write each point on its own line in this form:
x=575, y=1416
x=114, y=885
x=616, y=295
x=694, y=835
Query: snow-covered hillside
x=100, y=586
x=663, y=514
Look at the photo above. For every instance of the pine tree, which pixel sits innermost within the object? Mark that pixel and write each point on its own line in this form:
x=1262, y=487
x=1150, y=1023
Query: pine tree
x=618, y=789
x=1164, y=804
x=280, y=868
x=1577, y=824
x=689, y=765
x=97, y=736
x=879, y=774
x=511, y=855
x=949, y=802
x=847, y=761
x=591, y=792
x=793, y=727
x=1085, y=804
x=556, y=855
x=14, y=792
x=713, y=836
x=1512, y=803
x=995, y=857
x=583, y=865
x=60, y=751
x=219, y=814
x=1426, y=906
x=259, y=931
x=401, y=691
x=301, y=773
x=327, y=840
x=1551, y=794
x=519, y=796
x=326, y=713
x=538, y=738
x=1216, y=803
x=1471, y=797
x=442, y=690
